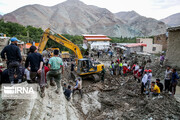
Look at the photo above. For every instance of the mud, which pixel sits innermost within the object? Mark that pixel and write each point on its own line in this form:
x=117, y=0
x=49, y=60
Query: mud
x=117, y=98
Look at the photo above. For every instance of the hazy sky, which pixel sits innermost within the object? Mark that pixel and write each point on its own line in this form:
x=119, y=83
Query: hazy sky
x=150, y=8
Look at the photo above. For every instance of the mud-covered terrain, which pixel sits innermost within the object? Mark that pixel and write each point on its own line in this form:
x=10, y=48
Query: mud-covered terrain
x=117, y=98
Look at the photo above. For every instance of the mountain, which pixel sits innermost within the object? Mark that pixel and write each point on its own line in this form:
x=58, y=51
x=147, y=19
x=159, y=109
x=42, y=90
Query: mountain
x=76, y=18
x=147, y=26
x=72, y=17
x=173, y=20
x=0, y=16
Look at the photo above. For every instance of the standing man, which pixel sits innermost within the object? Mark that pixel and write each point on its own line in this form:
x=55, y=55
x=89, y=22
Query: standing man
x=167, y=81
x=35, y=61
x=174, y=81
x=144, y=81
x=162, y=60
x=149, y=78
x=103, y=73
x=55, y=70
x=13, y=57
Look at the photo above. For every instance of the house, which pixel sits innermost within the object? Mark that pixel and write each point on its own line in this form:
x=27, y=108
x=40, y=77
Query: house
x=127, y=48
x=151, y=47
x=96, y=42
x=134, y=47
x=173, y=49
x=161, y=39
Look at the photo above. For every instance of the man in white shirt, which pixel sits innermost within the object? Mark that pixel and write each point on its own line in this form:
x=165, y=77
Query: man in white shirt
x=167, y=81
x=149, y=79
x=78, y=86
x=144, y=81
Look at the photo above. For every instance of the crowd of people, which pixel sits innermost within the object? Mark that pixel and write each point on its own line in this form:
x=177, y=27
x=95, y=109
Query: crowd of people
x=142, y=73
x=35, y=70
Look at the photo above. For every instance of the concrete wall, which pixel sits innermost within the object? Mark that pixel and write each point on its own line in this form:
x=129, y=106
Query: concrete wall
x=161, y=39
x=3, y=42
x=99, y=44
x=133, y=49
x=150, y=48
x=173, y=52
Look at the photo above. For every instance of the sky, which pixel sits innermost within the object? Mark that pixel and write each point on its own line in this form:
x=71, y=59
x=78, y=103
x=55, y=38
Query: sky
x=157, y=9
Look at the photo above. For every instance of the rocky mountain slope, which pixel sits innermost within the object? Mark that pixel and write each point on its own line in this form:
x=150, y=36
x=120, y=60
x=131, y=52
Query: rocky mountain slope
x=147, y=26
x=173, y=20
x=75, y=17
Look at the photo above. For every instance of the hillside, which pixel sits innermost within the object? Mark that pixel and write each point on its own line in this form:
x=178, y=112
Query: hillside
x=68, y=17
x=173, y=20
x=147, y=26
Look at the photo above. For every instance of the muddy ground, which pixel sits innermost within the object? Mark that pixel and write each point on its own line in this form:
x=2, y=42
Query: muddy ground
x=118, y=98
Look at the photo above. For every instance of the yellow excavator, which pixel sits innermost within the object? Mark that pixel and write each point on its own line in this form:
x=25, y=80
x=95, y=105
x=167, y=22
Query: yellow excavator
x=85, y=68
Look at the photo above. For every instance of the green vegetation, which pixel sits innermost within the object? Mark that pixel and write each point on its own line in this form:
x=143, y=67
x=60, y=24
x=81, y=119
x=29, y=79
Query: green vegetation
x=29, y=34
x=26, y=34
x=122, y=40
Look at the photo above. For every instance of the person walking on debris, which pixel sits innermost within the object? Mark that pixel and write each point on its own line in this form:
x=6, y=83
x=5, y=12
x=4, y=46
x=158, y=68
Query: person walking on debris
x=139, y=74
x=144, y=81
x=125, y=68
x=103, y=73
x=120, y=67
x=98, y=53
x=167, y=81
x=78, y=86
x=149, y=79
x=155, y=89
x=136, y=68
x=13, y=57
x=111, y=68
x=55, y=71
x=159, y=84
x=174, y=81
x=67, y=92
x=35, y=61
x=162, y=58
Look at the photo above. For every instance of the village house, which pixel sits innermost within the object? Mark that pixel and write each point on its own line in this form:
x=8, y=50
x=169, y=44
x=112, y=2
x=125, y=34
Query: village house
x=128, y=48
x=151, y=47
x=162, y=40
x=96, y=42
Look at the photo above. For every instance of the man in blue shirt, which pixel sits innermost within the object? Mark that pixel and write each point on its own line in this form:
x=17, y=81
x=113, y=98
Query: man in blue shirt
x=13, y=56
x=174, y=81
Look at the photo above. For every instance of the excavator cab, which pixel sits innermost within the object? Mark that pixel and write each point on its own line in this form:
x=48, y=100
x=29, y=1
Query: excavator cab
x=85, y=66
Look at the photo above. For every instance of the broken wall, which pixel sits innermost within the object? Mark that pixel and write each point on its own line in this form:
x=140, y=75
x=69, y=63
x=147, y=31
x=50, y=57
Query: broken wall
x=173, y=51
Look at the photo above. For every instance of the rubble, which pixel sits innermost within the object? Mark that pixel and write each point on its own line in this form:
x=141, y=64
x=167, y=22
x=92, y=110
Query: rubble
x=117, y=98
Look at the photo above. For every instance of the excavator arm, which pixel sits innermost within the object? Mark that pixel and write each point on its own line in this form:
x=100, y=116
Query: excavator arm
x=61, y=40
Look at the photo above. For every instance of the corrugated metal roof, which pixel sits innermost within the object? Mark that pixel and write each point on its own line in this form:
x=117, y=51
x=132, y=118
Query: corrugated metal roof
x=136, y=45
x=96, y=38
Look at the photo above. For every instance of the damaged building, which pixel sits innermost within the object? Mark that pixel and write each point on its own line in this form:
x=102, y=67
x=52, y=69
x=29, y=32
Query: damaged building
x=173, y=54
